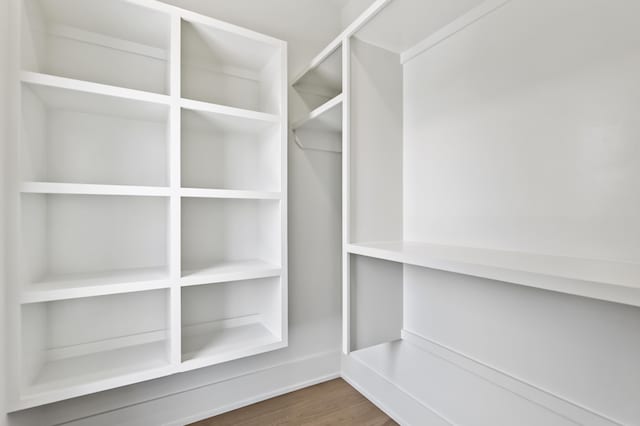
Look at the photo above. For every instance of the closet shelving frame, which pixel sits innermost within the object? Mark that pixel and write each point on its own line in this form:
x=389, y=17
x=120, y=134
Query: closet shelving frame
x=148, y=221
x=375, y=252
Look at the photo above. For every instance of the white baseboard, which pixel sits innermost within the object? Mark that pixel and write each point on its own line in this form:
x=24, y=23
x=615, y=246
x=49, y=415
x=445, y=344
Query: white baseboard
x=408, y=409
x=217, y=398
x=544, y=398
x=397, y=404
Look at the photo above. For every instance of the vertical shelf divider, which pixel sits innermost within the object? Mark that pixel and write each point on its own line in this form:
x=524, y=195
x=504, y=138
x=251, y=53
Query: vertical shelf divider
x=175, y=303
x=346, y=270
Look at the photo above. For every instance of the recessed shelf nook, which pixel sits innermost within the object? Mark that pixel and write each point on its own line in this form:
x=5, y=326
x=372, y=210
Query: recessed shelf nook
x=231, y=320
x=109, y=343
x=114, y=42
x=229, y=69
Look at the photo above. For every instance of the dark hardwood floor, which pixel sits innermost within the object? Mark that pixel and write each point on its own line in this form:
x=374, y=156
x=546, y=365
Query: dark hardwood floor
x=329, y=403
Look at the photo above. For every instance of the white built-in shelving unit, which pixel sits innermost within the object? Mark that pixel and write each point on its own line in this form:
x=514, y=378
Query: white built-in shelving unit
x=150, y=206
x=413, y=194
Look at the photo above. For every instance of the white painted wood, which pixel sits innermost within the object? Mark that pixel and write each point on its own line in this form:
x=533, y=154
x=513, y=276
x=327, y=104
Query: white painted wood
x=402, y=24
x=229, y=271
x=85, y=350
x=534, y=394
x=224, y=68
x=230, y=320
x=221, y=230
x=92, y=138
x=90, y=189
x=599, y=279
x=227, y=110
x=61, y=287
x=108, y=158
x=395, y=402
x=101, y=42
x=459, y=24
x=322, y=81
x=375, y=169
x=84, y=86
x=175, y=180
x=327, y=117
x=376, y=301
x=516, y=168
x=434, y=382
x=230, y=153
x=321, y=130
x=346, y=207
x=244, y=387
x=232, y=194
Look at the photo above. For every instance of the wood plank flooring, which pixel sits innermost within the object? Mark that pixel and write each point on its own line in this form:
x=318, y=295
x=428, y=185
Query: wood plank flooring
x=329, y=403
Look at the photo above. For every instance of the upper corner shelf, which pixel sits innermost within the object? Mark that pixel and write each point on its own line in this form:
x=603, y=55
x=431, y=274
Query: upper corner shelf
x=101, y=42
x=322, y=128
x=322, y=80
x=598, y=279
x=408, y=27
x=231, y=69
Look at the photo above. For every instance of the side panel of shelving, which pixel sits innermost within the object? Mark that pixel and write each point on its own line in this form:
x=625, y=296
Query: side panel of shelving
x=346, y=199
x=376, y=144
x=376, y=309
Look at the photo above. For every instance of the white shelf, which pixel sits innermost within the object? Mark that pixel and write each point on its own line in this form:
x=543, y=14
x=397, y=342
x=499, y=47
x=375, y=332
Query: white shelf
x=52, y=288
x=322, y=79
x=229, y=271
x=404, y=25
x=220, y=341
x=454, y=394
x=322, y=128
x=231, y=194
x=327, y=117
x=599, y=279
x=232, y=112
x=52, y=81
x=79, y=375
x=90, y=189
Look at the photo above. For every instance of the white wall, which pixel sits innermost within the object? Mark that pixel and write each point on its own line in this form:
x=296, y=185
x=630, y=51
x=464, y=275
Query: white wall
x=314, y=259
x=521, y=133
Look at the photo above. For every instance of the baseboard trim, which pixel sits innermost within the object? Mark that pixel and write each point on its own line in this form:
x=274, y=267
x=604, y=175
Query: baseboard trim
x=220, y=397
x=255, y=399
x=542, y=397
x=395, y=402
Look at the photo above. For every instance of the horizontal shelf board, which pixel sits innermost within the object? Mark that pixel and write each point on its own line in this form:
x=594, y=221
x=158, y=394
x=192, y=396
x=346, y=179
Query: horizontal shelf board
x=226, y=193
x=229, y=271
x=35, y=78
x=222, y=123
x=91, y=189
x=96, y=284
x=323, y=77
x=402, y=24
x=327, y=117
x=228, y=111
x=220, y=341
x=598, y=279
x=80, y=375
x=432, y=380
